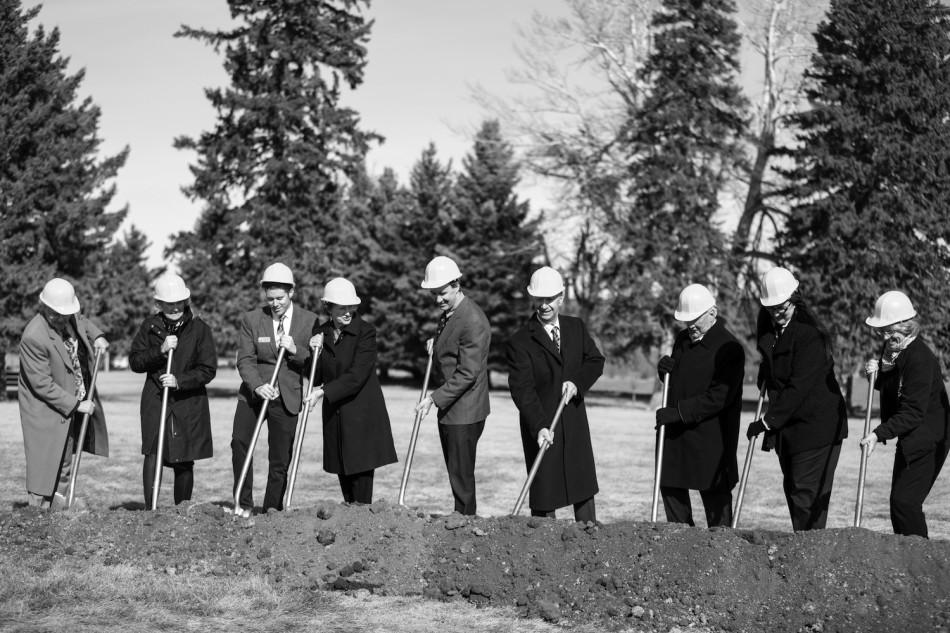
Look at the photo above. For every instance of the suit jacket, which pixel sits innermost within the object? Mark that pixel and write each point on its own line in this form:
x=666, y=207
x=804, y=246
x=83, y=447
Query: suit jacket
x=706, y=388
x=914, y=405
x=536, y=372
x=356, y=433
x=806, y=408
x=194, y=365
x=47, y=399
x=257, y=355
x=461, y=352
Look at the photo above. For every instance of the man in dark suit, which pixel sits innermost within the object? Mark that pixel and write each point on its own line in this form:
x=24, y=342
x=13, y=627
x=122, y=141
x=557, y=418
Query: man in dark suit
x=552, y=356
x=461, y=349
x=702, y=412
x=263, y=332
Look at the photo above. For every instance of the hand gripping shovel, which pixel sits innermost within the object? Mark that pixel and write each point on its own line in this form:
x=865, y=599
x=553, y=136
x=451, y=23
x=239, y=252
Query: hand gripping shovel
x=415, y=428
x=660, y=439
x=157, y=483
x=77, y=455
x=747, y=466
x=537, y=460
x=257, y=432
x=301, y=430
x=863, y=469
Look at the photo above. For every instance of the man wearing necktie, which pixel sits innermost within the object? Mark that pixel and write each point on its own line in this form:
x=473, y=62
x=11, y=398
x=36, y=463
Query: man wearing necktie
x=57, y=353
x=461, y=351
x=263, y=331
x=550, y=357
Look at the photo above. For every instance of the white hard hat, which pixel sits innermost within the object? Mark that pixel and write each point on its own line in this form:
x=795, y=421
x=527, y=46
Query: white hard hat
x=341, y=292
x=694, y=300
x=778, y=284
x=439, y=272
x=60, y=296
x=277, y=274
x=171, y=288
x=891, y=307
x=546, y=282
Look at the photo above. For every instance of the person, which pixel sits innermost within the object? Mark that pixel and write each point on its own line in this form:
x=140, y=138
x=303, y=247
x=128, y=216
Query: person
x=806, y=418
x=914, y=409
x=57, y=360
x=702, y=413
x=263, y=332
x=357, y=438
x=174, y=329
x=552, y=357
x=461, y=347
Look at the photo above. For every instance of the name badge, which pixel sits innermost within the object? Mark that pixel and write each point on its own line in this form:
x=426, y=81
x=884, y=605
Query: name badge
x=263, y=339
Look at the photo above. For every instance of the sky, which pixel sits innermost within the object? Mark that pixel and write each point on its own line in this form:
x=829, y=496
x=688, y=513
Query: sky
x=424, y=57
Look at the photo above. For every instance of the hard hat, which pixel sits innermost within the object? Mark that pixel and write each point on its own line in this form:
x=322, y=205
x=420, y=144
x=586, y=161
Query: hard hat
x=545, y=282
x=60, y=296
x=171, y=288
x=341, y=292
x=439, y=272
x=277, y=274
x=694, y=300
x=778, y=285
x=891, y=307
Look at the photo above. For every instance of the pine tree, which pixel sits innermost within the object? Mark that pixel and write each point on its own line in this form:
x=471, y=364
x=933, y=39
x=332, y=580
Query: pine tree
x=685, y=143
x=872, y=189
x=274, y=171
x=54, y=187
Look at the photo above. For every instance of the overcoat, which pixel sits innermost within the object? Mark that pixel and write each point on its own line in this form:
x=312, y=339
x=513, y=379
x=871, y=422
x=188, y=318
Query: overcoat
x=914, y=405
x=536, y=372
x=461, y=355
x=194, y=365
x=806, y=408
x=257, y=355
x=47, y=398
x=356, y=433
x=706, y=388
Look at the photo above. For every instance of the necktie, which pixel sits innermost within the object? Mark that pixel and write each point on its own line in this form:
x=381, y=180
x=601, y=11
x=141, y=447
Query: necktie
x=556, y=333
x=280, y=329
x=442, y=320
x=336, y=335
x=72, y=346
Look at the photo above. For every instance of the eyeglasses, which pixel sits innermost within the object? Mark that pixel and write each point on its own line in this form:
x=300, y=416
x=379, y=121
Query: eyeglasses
x=778, y=309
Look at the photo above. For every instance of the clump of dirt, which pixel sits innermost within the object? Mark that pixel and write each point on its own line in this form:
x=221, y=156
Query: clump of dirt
x=626, y=575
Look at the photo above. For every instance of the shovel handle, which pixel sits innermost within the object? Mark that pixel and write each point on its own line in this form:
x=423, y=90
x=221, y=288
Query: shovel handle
x=660, y=439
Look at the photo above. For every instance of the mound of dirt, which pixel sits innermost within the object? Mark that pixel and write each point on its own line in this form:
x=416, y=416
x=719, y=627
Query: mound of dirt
x=626, y=575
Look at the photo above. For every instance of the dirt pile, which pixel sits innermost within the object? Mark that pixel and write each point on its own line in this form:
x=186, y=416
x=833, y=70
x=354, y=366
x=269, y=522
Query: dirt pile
x=625, y=575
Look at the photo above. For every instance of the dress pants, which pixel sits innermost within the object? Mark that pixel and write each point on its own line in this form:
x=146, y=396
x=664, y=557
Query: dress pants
x=281, y=427
x=910, y=485
x=584, y=511
x=184, y=479
x=679, y=508
x=807, y=480
x=458, y=448
x=358, y=487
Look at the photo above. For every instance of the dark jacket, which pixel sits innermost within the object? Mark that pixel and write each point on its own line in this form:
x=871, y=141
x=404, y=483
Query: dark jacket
x=706, y=388
x=806, y=408
x=461, y=355
x=535, y=374
x=356, y=433
x=914, y=405
x=194, y=364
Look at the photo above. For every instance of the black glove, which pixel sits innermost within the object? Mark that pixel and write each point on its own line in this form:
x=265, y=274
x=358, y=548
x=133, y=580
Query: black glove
x=665, y=365
x=755, y=428
x=667, y=415
x=768, y=440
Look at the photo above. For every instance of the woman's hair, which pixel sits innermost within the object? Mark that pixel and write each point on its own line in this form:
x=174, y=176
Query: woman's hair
x=910, y=327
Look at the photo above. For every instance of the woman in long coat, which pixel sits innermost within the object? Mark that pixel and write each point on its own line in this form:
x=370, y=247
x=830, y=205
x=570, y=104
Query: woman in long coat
x=194, y=364
x=357, y=438
x=914, y=409
x=806, y=417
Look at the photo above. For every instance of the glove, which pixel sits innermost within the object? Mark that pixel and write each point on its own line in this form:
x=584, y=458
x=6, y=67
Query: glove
x=665, y=365
x=755, y=428
x=667, y=415
x=768, y=441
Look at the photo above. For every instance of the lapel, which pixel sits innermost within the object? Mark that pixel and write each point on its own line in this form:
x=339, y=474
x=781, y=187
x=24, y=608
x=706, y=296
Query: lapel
x=542, y=338
x=265, y=327
x=349, y=330
x=56, y=340
x=448, y=332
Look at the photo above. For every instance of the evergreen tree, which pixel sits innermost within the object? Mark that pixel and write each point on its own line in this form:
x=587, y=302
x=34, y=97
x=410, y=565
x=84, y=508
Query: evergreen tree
x=685, y=143
x=872, y=189
x=274, y=170
x=495, y=242
x=54, y=187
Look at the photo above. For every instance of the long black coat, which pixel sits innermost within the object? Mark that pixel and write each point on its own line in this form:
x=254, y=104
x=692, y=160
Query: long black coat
x=806, y=408
x=356, y=432
x=535, y=374
x=194, y=364
x=706, y=388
